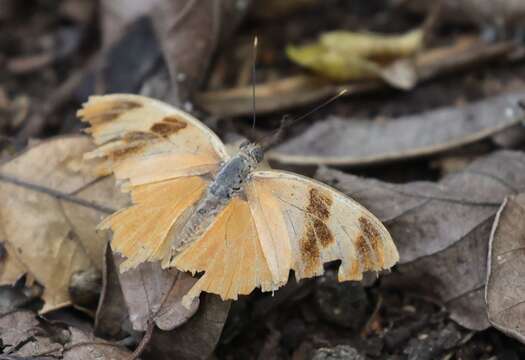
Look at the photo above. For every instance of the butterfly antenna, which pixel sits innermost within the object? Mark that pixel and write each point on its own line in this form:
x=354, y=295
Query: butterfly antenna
x=287, y=122
x=254, y=59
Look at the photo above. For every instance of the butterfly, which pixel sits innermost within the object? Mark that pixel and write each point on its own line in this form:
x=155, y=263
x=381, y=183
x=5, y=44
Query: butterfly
x=201, y=210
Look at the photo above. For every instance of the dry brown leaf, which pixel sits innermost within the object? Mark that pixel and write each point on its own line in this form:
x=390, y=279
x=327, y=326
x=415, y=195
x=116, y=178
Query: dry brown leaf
x=189, y=33
x=82, y=345
x=152, y=293
x=52, y=237
x=337, y=141
x=116, y=15
x=301, y=90
x=197, y=338
x=112, y=316
x=23, y=334
x=442, y=229
x=505, y=288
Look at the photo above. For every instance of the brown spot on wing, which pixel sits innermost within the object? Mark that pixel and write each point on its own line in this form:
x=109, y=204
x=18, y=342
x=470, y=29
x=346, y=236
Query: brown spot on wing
x=316, y=232
x=123, y=152
x=369, y=246
x=134, y=136
x=173, y=119
x=310, y=254
x=324, y=235
x=319, y=204
x=169, y=125
x=112, y=110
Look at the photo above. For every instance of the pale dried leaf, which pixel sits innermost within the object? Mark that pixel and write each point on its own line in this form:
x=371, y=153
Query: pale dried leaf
x=338, y=141
x=442, y=229
x=505, y=289
x=53, y=237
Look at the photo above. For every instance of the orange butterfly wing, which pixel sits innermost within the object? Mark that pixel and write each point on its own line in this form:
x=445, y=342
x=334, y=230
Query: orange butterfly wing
x=288, y=222
x=144, y=140
x=141, y=231
x=303, y=224
x=158, y=152
x=230, y=255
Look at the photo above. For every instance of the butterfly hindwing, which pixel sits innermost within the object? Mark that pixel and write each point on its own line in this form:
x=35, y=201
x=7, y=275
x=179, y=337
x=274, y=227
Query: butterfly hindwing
x=143, y=140
x=319, y=225
x=229, y=254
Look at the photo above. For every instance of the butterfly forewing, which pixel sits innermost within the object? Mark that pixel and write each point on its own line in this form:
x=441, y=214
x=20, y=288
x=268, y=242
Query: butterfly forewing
x=143, y=140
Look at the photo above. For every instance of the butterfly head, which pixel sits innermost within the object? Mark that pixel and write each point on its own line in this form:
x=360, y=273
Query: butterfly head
x=252, y=151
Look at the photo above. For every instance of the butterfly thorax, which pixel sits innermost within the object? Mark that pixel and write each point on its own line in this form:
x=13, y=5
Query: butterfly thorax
x=227, y=183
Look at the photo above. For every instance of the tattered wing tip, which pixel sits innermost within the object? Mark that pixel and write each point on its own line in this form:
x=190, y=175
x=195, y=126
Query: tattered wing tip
x=188, y=300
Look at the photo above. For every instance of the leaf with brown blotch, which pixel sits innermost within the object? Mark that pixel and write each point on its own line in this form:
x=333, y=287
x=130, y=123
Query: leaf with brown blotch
x=442, y=229
x=505, y=288
x=155, y=294
x=356, y=142
x=50, y=203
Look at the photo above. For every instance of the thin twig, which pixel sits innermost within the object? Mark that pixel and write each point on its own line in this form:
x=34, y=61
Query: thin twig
x=144, y=342
x=56, y=194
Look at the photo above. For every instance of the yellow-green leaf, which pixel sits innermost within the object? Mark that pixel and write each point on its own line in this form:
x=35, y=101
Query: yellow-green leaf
x=344, y=56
